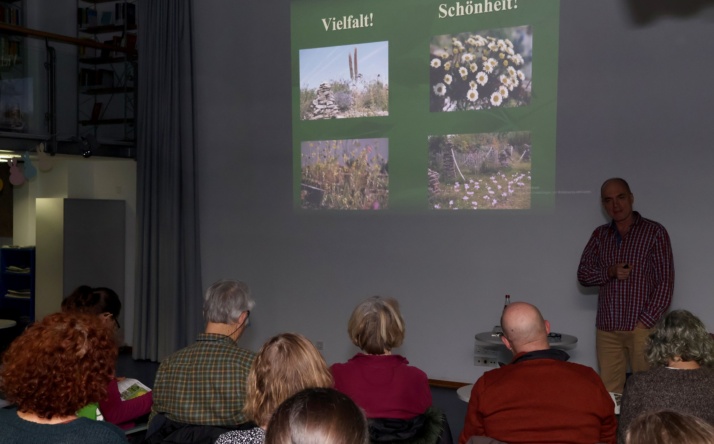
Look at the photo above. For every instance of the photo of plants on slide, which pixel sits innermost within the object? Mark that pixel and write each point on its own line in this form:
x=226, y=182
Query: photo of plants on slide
x=341, y=82
x=351, y=174
x=480, y=171
x=484, y=70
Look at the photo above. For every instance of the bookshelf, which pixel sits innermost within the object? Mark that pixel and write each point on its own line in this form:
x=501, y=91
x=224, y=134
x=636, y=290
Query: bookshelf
x=17, y=281
x=107, y=76
x=12, y=70
x=11, y=14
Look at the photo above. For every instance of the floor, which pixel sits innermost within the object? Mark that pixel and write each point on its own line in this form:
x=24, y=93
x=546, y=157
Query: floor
x=452, y=406
x=144, y=371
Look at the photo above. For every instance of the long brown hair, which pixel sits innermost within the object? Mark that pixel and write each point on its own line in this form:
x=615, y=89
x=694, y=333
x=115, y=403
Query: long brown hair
x=286, y=364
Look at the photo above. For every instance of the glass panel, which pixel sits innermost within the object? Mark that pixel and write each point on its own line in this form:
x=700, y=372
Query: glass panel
x=23, y=91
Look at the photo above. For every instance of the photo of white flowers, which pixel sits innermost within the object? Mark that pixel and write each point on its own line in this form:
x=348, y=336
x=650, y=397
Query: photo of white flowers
x=349, y=174
x=481, y=70
x=347, y=81
x=480, y=171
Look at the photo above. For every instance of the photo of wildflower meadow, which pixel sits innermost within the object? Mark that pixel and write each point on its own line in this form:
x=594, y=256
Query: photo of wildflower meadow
x=480, y=171
x=351, y=174
x=472, y=71
x=341, y=82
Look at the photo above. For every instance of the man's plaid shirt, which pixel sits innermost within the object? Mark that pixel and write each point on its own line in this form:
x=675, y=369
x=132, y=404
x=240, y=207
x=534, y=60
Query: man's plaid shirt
x=204, y=383
x=647, y=293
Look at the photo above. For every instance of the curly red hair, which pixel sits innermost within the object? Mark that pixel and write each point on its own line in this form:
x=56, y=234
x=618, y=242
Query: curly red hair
x=59, y=365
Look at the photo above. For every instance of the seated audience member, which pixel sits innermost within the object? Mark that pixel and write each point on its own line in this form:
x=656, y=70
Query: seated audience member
x=57, y=366
x=286, y=364
x=680, y=352
x=382, y=383
x=394, y=395
x=538, y=397
x=204, y=383
x=666, y=427
x=318, y=415
x=104, y=303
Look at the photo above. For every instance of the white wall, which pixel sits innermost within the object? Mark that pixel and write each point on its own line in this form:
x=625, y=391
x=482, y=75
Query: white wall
x=49, y=223
x=623, y=110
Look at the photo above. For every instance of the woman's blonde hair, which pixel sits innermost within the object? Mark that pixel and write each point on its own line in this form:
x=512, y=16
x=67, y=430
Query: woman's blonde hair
x=286, y=364
x=376, y=325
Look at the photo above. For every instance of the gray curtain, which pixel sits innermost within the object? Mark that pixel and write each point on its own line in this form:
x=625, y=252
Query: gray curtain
x=168, y=291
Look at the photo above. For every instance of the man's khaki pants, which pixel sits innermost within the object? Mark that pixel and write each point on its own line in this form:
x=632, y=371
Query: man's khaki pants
x=617, y=349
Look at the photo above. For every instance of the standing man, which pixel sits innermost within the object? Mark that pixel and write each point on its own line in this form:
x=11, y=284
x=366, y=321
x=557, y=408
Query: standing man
x=630, y=259
x=205, y=383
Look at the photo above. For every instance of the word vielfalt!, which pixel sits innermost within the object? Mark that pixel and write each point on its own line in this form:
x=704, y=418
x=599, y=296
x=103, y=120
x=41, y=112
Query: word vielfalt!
x=348, y=22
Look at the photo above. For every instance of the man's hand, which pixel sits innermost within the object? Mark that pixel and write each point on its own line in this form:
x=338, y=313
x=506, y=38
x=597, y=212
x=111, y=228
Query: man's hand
x=640, y=324
x=619, y=271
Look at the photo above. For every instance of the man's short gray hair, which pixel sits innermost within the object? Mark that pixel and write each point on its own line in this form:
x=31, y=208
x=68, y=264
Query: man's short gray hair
x=225, y=300
x=680, y=334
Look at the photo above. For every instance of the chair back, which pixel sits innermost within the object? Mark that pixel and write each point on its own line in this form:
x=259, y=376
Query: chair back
x=431, y=427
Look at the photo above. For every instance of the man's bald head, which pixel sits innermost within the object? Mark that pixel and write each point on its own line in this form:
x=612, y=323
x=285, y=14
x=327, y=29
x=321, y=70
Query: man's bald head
x=524, y=327
x=615, y=180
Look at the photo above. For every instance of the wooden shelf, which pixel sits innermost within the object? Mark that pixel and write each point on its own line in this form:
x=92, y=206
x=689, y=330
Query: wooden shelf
x=105, y=60
x=103, y=29
x=119, y=121
x=95, y=2
x=113, y=90
x=20, y=30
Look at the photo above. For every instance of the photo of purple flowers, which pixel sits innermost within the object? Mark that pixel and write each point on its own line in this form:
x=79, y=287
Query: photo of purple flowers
x=490, y=171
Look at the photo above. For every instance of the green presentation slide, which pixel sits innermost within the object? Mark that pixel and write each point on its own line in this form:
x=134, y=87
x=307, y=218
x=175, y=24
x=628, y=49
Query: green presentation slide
x=422, y=105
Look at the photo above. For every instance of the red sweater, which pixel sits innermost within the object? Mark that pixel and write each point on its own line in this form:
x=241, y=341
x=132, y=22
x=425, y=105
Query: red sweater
x=540, y=398
x=384, y=386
